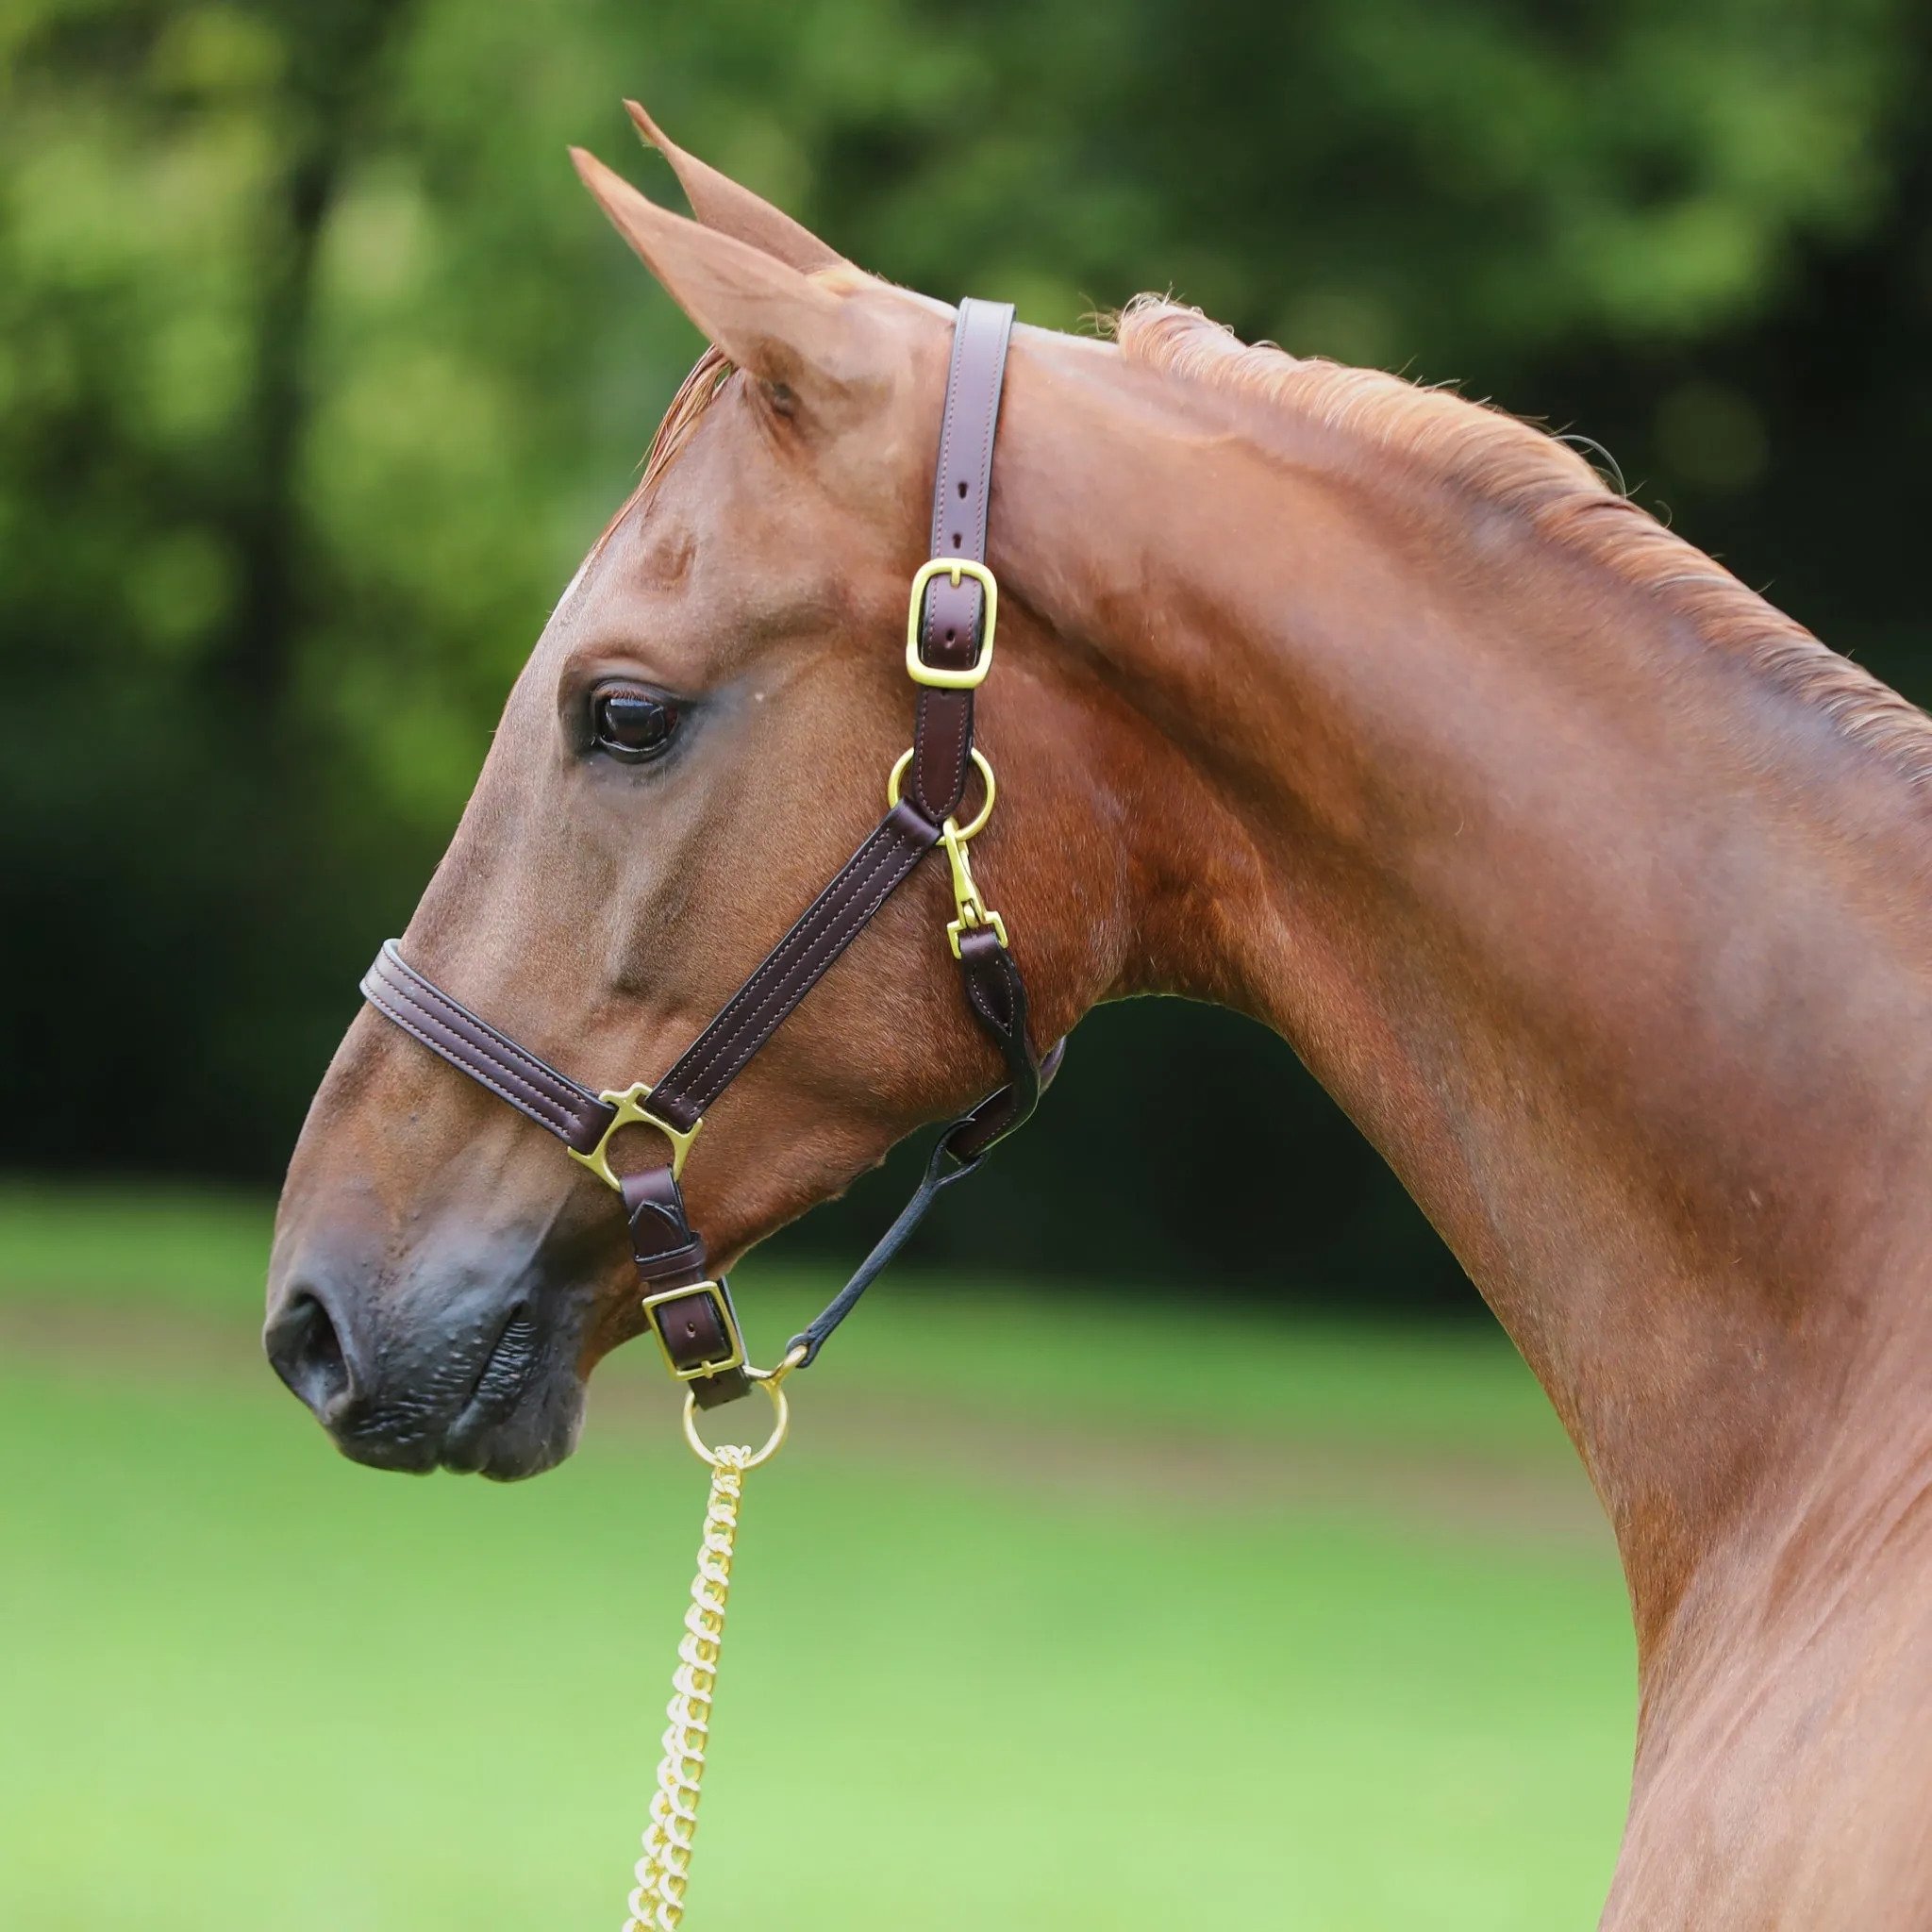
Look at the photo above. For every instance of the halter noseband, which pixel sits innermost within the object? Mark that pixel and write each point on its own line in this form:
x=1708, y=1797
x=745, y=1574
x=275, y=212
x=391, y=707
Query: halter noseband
x=949, y=645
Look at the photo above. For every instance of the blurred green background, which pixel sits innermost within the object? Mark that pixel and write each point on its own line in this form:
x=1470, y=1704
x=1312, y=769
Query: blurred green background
x=318, y=372
x=1320, y=1628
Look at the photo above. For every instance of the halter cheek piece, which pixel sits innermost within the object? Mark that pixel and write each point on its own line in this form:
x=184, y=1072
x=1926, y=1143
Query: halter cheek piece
x=949, y=644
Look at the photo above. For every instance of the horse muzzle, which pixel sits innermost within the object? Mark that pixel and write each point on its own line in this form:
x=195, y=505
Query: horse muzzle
x=452, y=1365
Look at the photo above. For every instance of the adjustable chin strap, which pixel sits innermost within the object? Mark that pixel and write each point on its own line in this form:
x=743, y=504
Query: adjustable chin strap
x=949, y=647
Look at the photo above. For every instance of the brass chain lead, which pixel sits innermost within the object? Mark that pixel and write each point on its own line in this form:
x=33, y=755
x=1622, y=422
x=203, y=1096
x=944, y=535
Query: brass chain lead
x=664, y=1871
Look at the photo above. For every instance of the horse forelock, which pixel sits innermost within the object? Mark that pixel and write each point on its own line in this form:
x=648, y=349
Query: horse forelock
x=707, y=377
x=1510, y=463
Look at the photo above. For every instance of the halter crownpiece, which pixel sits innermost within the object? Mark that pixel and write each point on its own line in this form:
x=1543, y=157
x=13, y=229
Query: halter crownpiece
x=950, y=633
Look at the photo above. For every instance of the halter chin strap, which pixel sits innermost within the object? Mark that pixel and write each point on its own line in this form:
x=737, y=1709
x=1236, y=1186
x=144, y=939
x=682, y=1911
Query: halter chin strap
x=949, y=645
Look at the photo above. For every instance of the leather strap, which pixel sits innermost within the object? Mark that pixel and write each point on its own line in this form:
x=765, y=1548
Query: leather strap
x=954, y=620
x=666, y=1250
x=794, y=965
x=708, y=1065
x=445, y=1026
x=994, y=991
x=941, y=742
x=669, y=1254
x=997, y=996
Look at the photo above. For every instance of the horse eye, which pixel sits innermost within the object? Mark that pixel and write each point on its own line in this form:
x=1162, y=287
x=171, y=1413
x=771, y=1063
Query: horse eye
x=632, y=723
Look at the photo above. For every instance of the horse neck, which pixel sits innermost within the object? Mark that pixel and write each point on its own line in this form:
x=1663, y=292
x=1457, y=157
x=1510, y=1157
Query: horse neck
x=1611, y=946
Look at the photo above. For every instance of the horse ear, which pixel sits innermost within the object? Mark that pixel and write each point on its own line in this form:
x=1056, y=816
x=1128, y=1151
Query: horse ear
x=719, y=203
x=790, y=331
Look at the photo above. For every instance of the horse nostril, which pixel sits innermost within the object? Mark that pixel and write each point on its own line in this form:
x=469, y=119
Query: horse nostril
x=307, y=1352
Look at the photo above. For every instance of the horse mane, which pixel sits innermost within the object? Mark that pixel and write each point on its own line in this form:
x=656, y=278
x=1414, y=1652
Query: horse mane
x=1496, y=458
x=1506, y=461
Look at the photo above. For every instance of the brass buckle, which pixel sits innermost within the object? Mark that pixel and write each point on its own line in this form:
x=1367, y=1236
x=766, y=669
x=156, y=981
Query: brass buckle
x=917, y=669
x=727, y=1321
x=631, y=1112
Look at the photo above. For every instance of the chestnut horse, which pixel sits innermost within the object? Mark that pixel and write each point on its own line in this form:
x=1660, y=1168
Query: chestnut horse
x=1597, y=892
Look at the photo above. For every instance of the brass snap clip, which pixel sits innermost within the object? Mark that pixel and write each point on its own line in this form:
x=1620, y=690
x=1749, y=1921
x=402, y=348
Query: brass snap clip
x=971, y=909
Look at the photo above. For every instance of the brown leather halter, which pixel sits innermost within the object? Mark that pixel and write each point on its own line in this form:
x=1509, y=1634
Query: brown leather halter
x=949, y=647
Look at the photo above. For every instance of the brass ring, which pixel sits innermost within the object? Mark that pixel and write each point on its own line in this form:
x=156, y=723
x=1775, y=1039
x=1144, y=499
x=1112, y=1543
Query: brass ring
x=964, y=833
x=781, y=1411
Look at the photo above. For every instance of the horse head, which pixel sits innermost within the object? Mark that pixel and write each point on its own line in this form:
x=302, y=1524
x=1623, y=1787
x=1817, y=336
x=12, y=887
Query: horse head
x=703, y=731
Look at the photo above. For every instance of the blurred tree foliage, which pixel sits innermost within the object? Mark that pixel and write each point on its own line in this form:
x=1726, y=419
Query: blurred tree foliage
x=318, y=372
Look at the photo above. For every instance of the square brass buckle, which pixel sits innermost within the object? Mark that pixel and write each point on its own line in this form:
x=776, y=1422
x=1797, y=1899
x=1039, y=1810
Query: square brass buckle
x=731, y=1354
x=917, y=669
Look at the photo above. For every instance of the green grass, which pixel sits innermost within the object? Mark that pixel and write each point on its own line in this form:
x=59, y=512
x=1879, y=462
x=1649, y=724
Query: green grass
x=244, y=1684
